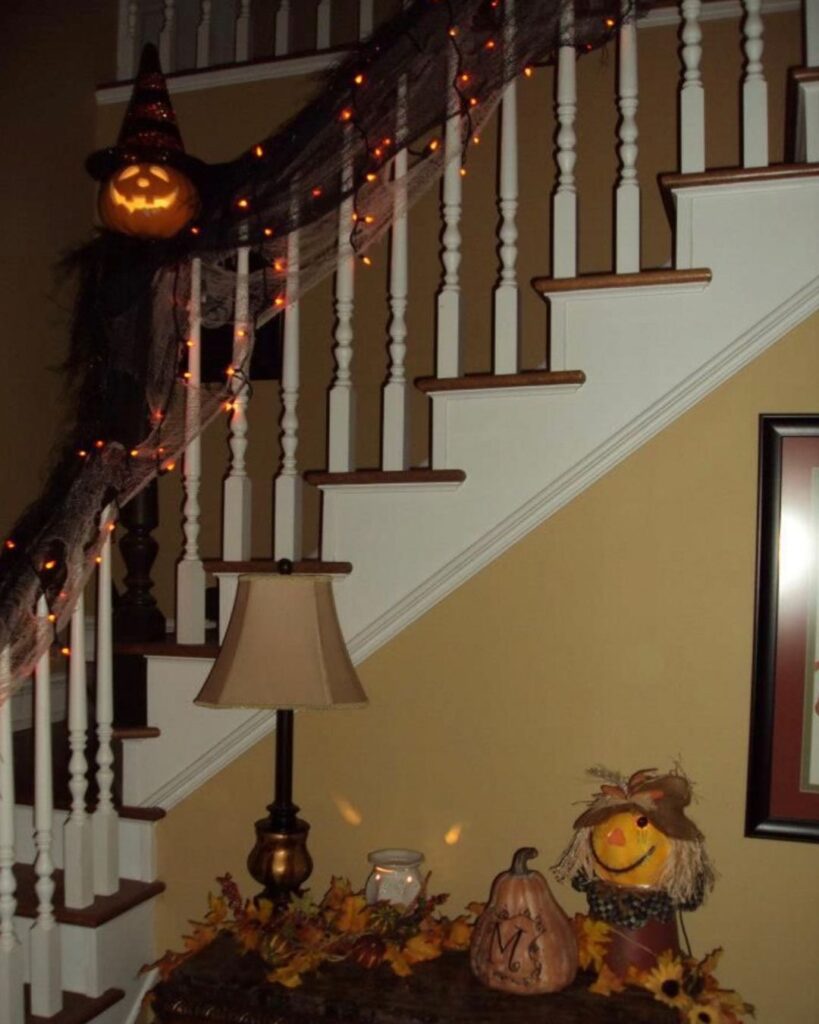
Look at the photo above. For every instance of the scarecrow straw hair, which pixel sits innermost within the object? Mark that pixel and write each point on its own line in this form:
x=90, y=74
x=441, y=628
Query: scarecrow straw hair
x=687, y=872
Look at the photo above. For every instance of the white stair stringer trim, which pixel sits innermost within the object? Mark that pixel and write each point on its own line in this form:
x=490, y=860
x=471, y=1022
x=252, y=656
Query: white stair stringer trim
x=567, y=487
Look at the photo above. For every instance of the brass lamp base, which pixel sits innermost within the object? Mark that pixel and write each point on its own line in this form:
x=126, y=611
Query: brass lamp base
x=280, y=860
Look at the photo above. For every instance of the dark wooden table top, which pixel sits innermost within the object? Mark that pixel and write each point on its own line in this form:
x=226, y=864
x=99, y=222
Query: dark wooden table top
x=219, y=986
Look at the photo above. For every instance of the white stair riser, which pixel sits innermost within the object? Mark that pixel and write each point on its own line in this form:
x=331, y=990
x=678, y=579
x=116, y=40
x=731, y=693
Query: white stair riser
x=137, y=843
x=96, y=959
x=189, y=733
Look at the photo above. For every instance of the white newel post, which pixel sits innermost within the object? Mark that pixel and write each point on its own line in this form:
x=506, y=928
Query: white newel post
x=692, y=94
x=627, y=217
x=237, y=490
x=243, y=32
x=203, y=35
x=45, y=972
x=167, y=37
x=282, y=47
x=190, y=575
x=507, y=312
x=323, y=23
x=365, y=18
x=395, y=436
x=564, y=201
x=754, y=90
x=11, y=953
x=78, y=838
x=341, y=411
x=287, y=524
x=105, y=820
x=448, y=341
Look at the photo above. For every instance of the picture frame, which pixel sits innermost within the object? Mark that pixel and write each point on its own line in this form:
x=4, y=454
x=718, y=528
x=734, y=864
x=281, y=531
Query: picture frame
x=783, y=764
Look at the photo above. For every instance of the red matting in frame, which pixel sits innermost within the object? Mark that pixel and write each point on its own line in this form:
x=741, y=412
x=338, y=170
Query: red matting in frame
x=800, y=456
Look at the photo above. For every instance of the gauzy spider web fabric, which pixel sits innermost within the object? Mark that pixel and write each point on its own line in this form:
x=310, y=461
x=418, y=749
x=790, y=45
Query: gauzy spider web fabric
x=447, y=58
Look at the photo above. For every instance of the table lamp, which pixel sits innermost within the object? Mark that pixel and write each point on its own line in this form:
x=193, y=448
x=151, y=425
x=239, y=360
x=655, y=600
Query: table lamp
x=283, y=649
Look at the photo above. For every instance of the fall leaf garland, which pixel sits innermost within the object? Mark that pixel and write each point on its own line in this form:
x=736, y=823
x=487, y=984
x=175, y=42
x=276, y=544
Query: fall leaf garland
x=300, y=937
x=681, y=982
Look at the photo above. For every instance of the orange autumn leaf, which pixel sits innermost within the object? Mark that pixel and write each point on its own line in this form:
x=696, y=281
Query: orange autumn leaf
x=353, y=916
x=607, y=982
x=459, y=934
x=339, y=890
x=397, y=961
x=420, y=948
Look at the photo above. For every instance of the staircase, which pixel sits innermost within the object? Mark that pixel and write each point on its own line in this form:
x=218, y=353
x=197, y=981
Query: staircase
x=629, y=351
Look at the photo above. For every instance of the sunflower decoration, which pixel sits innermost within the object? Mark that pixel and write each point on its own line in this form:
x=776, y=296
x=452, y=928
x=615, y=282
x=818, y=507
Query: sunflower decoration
x=639, y=859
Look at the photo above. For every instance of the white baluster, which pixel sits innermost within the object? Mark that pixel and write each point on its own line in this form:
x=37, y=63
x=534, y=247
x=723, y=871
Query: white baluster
x=365, y=18
x=507, y=315
x=323, y=24
x=395, y=439
x=754, y=90
x=11, y=953
x=203, y=35
x=105, y=821
x=341, y=414
x=627, y=216
x=78, y=839
x=692, y=95
x=243, y=32
x=448, y=342
x=127, y=39
x=564, y=201
x=283, y=29
x=811, y=45
x=237, y=491
x=167, y=37
x=190, y=575
x=288, y=486
x=46, y=980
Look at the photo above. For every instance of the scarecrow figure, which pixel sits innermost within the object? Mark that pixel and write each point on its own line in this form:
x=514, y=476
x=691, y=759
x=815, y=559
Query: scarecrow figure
x=639, y=860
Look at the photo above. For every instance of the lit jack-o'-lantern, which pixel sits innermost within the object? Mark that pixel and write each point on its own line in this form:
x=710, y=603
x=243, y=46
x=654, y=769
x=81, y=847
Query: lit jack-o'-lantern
x=148, y=200
x=639, y=859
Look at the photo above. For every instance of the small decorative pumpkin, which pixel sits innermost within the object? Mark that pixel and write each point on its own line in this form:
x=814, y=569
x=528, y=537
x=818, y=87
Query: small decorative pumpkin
x=523, y=942
x=148, y=200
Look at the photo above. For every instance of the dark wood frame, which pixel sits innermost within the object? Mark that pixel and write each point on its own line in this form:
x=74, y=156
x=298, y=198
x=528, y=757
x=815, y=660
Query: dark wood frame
x=773, y=791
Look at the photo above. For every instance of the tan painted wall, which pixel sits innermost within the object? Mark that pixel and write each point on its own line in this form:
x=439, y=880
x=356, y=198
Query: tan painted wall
x=51, y=56
x=620, y=631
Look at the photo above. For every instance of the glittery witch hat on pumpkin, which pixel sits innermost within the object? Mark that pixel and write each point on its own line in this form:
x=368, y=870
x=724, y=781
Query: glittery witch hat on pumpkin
x=149, y=132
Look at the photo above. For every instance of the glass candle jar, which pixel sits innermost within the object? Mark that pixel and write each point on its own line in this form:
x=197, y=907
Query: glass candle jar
x=395, y=876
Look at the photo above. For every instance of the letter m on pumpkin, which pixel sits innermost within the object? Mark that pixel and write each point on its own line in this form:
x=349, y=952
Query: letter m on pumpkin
x=503, y=952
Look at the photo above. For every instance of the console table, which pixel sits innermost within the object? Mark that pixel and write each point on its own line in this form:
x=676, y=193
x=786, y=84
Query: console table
x=220, y=986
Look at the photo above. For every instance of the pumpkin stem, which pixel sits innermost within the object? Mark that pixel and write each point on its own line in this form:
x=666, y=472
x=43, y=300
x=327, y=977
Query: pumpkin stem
x=524, y=854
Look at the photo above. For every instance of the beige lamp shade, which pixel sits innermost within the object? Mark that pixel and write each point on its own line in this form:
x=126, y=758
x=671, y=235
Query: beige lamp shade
x=283, y=649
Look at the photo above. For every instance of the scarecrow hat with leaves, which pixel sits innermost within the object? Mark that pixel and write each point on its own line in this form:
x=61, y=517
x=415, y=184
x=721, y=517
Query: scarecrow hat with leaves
x=661, y=798
x=149, y=132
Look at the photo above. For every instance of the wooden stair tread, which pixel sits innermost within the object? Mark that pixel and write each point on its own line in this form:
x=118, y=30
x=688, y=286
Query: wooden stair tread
x=136, y=732
x=170, y=647
x=104, y=908
x=499, y=381
x=77, y=1009
x=363, y=477
x=738, y=175
x=271, y=565
x=641, y=279
x=23, y=745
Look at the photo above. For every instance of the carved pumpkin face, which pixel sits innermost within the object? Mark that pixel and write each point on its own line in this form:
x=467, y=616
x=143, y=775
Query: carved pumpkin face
x=629, y=850
x=148, y=200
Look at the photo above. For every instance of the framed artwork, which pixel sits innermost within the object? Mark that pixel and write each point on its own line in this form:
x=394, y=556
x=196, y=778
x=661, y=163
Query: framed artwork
x=783, y=770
